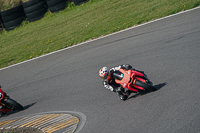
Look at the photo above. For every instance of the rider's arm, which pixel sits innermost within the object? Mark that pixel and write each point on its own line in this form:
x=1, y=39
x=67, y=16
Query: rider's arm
x=115, y=68
x=126, y=66
x=107, y=86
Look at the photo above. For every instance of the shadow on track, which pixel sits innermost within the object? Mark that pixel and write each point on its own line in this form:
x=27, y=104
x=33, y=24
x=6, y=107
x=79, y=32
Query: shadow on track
x=25, y=107
x=158, y=87
x=28, y=106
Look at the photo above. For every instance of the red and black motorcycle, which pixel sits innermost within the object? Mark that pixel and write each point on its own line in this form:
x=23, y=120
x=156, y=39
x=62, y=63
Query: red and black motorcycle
x=134, y=80
x=8, y=104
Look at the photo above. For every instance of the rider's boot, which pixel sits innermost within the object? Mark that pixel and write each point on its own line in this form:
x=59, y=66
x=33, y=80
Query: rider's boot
x=1, y=111
x=2, y=114
x=122, y=96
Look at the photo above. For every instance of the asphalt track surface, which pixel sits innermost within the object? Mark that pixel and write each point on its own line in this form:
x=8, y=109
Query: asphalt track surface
x=167, y=50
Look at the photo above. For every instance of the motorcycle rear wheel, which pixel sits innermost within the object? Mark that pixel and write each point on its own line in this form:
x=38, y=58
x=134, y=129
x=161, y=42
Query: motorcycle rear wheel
x=12, y=104
x=145, y=85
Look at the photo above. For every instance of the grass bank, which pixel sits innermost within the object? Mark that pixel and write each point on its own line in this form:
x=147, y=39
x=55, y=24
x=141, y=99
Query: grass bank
x=80, y=23
x=7, y=4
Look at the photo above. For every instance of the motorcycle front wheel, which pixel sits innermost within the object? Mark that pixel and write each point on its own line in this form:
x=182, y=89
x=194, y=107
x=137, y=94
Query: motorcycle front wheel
x=13, y=105
x=146, y=86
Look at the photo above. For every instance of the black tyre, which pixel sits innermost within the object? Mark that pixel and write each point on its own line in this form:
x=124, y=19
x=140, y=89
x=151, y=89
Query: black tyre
x=1, y=28
x=35, y=7
x=77, y=2
x=36, y=15
x=12, y=11
x=12, y=104
x=145, y=85
x=58, y=7
x=54, y=2
x=31, y=3
x=1, y=23
x=12, y=17
x=12, y=24
x=0, y=17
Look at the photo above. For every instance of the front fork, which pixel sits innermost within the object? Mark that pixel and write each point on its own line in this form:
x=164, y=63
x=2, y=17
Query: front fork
x=147, y=80
x=141, y=77
x=138, y=87
x=140, y=74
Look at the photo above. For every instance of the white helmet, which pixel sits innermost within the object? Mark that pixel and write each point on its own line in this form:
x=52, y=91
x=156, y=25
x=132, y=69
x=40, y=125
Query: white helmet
x=103, y=73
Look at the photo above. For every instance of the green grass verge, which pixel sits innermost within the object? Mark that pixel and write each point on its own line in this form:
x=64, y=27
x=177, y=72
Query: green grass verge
x=7, y=4
x=80, y=23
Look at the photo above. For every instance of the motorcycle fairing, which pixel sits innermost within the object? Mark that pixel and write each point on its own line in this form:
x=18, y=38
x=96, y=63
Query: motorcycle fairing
x=129, y=78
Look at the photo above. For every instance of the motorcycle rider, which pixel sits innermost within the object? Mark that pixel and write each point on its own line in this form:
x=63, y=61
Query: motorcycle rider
x=109, y=76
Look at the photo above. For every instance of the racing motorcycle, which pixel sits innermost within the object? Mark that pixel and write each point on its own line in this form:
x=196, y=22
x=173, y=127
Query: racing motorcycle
x=133, y=80
x=8, y=104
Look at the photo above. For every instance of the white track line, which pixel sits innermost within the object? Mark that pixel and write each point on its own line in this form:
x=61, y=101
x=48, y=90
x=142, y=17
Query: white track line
x=101, y=37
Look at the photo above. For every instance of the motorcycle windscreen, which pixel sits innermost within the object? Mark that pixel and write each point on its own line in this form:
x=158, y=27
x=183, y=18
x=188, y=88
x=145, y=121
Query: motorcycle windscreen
x=121, y=77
